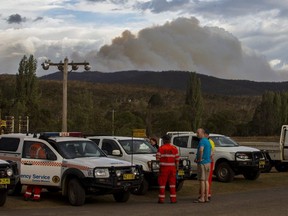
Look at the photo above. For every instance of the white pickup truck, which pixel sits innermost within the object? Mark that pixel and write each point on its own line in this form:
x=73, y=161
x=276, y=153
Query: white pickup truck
x=230, y=158
x=140, y=152
x=73, y=165
x=276, y=152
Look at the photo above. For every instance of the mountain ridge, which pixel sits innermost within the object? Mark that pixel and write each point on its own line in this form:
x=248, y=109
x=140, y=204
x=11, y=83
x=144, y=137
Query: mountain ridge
x=174, y=80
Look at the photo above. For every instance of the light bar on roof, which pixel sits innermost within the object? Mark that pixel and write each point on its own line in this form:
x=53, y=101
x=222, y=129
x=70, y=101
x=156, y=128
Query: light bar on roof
x=62, y=134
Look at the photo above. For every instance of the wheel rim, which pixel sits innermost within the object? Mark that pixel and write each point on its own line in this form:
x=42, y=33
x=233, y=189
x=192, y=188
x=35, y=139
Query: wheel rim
x=223, y=172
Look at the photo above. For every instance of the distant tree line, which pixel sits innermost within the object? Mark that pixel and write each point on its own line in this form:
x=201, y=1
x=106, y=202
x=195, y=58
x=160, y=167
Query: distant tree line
x=122, y=109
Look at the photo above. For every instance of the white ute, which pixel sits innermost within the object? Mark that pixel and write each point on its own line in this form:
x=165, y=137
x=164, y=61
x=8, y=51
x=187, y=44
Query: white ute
x=230, y=158
x=73, y=165
x=140, y=152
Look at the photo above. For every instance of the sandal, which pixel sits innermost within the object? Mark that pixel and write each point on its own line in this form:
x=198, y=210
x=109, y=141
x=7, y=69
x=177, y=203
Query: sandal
x=198, y=201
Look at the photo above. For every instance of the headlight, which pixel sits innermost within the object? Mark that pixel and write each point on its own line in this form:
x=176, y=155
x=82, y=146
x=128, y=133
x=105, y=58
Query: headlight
x=135, y=171
x=118, y=173
x=101, y=173
x=9, y=172
x=155, y=165
x=184, y=162
x=242, y=156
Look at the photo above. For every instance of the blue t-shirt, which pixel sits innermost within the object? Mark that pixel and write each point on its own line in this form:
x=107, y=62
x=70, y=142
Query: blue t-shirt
x=206, y=157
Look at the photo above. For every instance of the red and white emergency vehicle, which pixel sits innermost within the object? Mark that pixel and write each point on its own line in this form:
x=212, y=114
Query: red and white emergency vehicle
x=74, y=165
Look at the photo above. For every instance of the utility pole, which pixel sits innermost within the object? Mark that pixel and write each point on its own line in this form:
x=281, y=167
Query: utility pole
x=63, y=67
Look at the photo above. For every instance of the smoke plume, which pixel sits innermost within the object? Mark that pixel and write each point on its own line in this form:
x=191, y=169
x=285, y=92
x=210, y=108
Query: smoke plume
x=183, y=44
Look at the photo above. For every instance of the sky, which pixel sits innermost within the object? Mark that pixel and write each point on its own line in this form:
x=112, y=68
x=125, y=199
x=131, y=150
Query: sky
x=231, y=39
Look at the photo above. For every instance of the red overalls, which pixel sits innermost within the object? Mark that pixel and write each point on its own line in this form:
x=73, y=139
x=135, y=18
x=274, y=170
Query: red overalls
x=168, y=157
x=33, y=191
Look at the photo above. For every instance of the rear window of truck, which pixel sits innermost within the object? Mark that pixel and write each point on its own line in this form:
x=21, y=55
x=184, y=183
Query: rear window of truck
x=9, y=144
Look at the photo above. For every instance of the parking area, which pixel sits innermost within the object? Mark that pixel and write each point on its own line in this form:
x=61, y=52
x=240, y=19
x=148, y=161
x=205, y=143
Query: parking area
x=265, y=196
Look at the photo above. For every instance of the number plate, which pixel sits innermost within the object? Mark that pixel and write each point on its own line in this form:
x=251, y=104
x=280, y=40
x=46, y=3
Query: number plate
x=181, y=173
x=128, y=176
x=4, y=181
x=261, y=164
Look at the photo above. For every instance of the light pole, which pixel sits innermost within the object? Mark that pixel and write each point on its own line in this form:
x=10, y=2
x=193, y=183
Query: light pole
x=64, y=68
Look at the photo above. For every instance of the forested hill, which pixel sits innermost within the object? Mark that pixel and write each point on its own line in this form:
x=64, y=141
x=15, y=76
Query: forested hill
x=175, y=80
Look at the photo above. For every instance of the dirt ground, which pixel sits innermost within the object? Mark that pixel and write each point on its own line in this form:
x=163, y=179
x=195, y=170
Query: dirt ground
x=265, y=196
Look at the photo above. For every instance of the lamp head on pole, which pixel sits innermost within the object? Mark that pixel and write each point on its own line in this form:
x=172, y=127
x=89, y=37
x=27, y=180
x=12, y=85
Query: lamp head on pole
x=45, y=65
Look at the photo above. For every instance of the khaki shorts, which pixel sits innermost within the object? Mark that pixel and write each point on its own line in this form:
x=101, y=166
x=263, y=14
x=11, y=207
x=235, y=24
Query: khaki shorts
x=203, y=172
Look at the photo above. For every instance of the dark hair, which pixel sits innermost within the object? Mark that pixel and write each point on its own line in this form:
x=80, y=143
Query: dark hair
x=166, y=137
x=154, y=139
x=206, y=131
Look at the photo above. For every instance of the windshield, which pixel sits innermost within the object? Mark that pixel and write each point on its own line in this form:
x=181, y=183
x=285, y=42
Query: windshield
x=223, y=141
x=76, y=149
x=137, y=147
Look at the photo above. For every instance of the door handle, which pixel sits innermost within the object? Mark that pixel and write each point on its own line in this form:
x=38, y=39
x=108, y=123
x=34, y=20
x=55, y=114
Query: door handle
x=191, y=153
x=27, y=163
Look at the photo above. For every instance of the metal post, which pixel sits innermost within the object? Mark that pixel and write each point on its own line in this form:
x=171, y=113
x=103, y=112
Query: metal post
x=113, y=120
x=64, y=108
x=64, y=68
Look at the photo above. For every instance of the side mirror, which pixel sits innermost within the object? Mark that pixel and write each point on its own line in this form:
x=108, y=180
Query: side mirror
x=116, y=153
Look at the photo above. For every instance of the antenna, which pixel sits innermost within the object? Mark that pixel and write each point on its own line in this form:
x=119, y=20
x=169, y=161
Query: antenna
x=132, y=149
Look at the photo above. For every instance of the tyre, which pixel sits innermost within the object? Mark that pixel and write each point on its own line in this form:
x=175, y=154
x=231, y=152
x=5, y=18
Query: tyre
x=224, y=173
x=179, y=185
x=143, y=188
x=16, y=191
x=122, y=196
x=3, y=196
x=251, y=174
x=281, y=167
x=268, y=168
x=76, y=193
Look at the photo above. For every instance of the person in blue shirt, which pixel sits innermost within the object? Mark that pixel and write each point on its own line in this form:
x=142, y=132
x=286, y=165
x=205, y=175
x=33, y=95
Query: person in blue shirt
x=203, y=160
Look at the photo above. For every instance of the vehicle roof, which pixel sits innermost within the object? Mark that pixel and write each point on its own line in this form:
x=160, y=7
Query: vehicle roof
x=115, y=137
x=194, y=134
x=64, y=139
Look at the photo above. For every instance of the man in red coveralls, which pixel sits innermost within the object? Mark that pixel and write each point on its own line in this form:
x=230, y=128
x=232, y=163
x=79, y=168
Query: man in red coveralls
x=36, y=151
x=168, y=158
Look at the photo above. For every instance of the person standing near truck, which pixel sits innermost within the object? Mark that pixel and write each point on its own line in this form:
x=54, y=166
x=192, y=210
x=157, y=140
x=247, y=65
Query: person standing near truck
x=212, y=162
x=168, y=158
x=203, y=159
x=33, y=192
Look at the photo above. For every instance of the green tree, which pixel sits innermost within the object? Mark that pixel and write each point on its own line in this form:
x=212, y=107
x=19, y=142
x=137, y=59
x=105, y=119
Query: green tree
x=194, y=101
x=27, y=93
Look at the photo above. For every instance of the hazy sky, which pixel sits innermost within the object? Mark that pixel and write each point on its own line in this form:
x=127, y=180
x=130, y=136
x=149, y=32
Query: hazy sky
x=238, y=39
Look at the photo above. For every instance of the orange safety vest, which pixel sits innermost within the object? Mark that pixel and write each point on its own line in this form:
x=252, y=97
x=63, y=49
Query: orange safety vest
x=37, y=151
x=167, y=155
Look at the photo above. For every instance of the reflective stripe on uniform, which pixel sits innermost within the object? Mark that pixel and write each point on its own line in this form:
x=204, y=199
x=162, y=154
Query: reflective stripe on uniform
x=28, y=193
x=161, y=196
x=161, y=186
x=168, y=155
x=166, y=164
x=172, y=186
x=172, y=195
x=36, y=195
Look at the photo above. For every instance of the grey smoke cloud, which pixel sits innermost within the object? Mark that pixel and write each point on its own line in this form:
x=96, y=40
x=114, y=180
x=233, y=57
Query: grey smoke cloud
x=16, y=18
x=183, y=44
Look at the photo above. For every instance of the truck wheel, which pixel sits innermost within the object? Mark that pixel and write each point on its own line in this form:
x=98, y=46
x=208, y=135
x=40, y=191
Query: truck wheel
x=251, y=175
x=76, y=193
x=122, y=196
x=143, y=188
x=3, y=195
x=16, y=190
x=267, y=168
x=179, y=185
x=224, y=173
x=281, y=167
